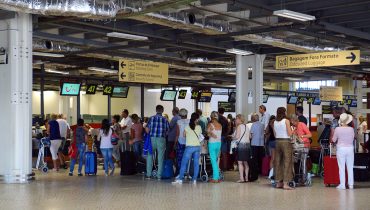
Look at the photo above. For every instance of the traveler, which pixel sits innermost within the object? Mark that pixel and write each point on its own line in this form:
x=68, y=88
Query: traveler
x=117, y=130
x=361, y=130
x=64, y=130
x=137, y=135
x=344, y=137
x=231, y=121
x=257, y=135
x=80, y=141
x=157, y=128
x=303, y=133
x=299, y=113
x=320, y=129
x=126, y=124
x=243, y=154
x=284, y=152
x=214, y=131
x=337, y=111
x=265, y=116
x=271, y=143
x=192, y=150
x=180, y=142
x=203, y=121
x=171, y=138
x=225, y=132
x=106, y=147
x=145, y=122
x=55, y=139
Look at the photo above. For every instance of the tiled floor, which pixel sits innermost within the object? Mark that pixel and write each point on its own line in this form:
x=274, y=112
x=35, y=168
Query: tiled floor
x=56, y=191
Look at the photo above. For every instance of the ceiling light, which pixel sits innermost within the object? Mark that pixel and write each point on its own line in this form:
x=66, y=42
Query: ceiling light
x=54, y=55
x=110, y=71
x=231, y=73
x=366, y=69
x=207, y=83
x=197, y=60
x=127, y=36
x=239, y=52
x=56, y=71
x=294, y=15
x=293, y=78
x=154, y=90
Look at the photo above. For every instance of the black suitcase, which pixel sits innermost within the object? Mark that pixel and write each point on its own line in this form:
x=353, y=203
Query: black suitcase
x=361, y=172
x=128, y=163
x=140, y=167
x=253, y=169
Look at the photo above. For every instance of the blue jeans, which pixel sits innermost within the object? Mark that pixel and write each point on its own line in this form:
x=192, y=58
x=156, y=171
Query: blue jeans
x=137, y=149
x=214, y=152
x=190, y=151
x=107, y=154
x=80, y=157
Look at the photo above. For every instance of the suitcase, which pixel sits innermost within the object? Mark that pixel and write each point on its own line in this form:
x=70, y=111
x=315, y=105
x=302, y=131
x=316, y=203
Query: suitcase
x=90, y=163
x=266, y=165
x=331, y=170
x=361, y=171
x=253, y=169
x=167, y=169
x=128, y=163
x=140, y=167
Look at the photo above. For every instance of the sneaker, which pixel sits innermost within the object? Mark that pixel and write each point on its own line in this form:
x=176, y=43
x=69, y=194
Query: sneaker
x=79, y=174
x=350, y=187
x=177, y=181
x=340, y=187
x=148, y=177
x=70, y=174
x=194, y=182
x=112, y=172
x=106, y=174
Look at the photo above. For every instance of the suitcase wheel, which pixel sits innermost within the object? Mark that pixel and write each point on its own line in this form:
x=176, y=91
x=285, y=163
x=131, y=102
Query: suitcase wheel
x=204, y=178
x=45, y=169
x=292, y=184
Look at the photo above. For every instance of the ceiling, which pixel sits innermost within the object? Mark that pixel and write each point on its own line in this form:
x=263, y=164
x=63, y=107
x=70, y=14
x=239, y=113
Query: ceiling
x=218, y=25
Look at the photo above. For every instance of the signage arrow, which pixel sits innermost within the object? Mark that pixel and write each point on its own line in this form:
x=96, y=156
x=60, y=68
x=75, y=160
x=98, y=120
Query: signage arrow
x=123, y=64
x=123, y=75
x=352, y=57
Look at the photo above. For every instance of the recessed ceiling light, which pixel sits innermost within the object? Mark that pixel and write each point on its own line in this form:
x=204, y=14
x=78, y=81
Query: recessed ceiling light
x=110, y=71
x=207, y=83
x=127, y=36
x=293, y=78
x=43, y=54
x=239, y=52
x=56, y=71
x=231, y=73
x=294, y=15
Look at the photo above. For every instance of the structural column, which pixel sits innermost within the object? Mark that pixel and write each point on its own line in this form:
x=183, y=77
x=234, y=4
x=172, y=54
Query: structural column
x=16, y=101
x=249, y=83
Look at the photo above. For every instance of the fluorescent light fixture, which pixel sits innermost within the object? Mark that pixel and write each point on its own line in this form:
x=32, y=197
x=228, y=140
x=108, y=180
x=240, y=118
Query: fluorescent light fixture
x=154, y=90
x=239, y=52
x=197, y=60
x=110, y=71
x=231, y=73
x=293, y=78
x=207, y=83
x=56, y=71
x=44, y=54
x=127, y=36
x=294, y=15
x=366, y=69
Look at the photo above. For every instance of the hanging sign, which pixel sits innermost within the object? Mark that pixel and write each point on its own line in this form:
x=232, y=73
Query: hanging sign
x=228, y=106
x=108, y=90
x=326, y=109
x=340, y=58
x=143, y=71
x=331, y=93
x=182, y=94
x=194, y=94
x=91, y=89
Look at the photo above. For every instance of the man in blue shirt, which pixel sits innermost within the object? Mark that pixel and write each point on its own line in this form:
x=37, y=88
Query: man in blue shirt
x=172, y=132
x=157, y=128
x=257, y=140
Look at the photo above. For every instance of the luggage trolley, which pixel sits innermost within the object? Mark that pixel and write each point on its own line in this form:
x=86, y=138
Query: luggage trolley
x=41, y=164
x=325, y=150
x=301, y=177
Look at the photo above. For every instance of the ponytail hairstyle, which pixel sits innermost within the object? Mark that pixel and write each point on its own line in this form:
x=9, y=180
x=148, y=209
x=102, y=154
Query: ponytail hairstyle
x=193, y=118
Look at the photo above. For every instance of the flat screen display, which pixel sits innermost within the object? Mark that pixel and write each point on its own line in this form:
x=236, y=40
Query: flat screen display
x=292, y=100
x=205, y=97
x=232, y=97
x=334, y=103
x=317, y=101
x=353, y=103
x=120, y=92
x=168, y=95
x=70, y=89
x=228, y=106
x=265, y=98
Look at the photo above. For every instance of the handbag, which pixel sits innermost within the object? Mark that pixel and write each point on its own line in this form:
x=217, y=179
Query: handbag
x=114, y=138
x=235, y=143
x=200, y=137
x=297, y=142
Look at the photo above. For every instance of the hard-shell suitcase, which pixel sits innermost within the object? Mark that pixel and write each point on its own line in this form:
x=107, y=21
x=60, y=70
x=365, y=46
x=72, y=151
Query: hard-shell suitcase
x=266, y=165
x=168, y=169
x=140, y=167
x=90, y=163
x=331, y=170
x=361, y=172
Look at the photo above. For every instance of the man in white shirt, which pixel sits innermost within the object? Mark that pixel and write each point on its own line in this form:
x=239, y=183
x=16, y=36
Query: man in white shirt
x=126, y=124
x=265, y=116
x=64, y=130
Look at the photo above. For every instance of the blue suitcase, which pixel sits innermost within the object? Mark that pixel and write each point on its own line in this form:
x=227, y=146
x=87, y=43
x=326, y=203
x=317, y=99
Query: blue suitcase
x=90, y=163
x=167, y=169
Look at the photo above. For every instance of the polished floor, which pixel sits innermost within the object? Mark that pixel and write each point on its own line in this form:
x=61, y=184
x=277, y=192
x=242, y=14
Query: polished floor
x=56, y=190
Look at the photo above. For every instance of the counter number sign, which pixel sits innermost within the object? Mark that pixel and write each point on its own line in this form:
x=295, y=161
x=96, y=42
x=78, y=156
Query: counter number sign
x=91, y=89
x=194, y=94
x=108, y=90
x=182, y=94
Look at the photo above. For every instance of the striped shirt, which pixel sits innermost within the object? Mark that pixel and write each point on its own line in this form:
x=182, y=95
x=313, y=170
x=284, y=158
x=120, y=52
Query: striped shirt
x=158, y=126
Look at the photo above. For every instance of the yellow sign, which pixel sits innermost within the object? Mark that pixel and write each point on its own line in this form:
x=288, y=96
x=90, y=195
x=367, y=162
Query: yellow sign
x=331, y=93
x=143, y=72
x=340, y=58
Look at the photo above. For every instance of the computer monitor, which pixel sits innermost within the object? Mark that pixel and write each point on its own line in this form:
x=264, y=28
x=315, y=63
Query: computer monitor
x=317, y=101
x=168, y=95
x=232, y=97
x=205, y=97
x=70, y=89
x=292, y=99
x=120, y=92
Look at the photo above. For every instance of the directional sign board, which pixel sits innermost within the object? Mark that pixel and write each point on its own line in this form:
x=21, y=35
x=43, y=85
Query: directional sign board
x=143, y=71
x=340, y=58
x=331, y=93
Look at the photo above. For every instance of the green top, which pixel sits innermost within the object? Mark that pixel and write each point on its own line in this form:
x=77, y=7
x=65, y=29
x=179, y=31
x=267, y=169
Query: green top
x=191, y=135
x=203, y=122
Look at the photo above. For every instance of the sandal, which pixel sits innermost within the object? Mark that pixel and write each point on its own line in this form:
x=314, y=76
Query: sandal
x=279, y=185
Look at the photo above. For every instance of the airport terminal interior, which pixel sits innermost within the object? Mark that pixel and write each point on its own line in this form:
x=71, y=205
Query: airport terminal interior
x=185, y=104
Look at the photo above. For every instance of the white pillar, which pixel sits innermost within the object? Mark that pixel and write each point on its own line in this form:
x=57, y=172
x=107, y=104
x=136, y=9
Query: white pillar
x=249, y=83
x=16, y=99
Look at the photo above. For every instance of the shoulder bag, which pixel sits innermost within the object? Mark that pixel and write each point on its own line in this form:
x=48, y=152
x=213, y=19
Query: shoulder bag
x=235, y=143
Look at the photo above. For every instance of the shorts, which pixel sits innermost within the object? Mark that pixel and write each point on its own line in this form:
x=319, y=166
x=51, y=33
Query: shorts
x=272, y=144
x=55, y=144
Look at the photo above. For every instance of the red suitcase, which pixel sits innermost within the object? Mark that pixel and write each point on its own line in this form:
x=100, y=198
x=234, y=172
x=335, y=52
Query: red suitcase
x=331, y=170
x=266, y=165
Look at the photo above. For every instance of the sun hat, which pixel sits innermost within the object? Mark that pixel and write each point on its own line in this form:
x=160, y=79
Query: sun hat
x=345, y=119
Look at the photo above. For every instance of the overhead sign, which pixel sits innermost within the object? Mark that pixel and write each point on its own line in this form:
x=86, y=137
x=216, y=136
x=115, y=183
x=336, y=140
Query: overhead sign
x=108, y=90
x=194, y=94
x=228, y=106
x=182, y=94
x=205, y=97
x=91, y=89
x=328, y=93
x=340, y=58
x=326, y=109
x=143, y=72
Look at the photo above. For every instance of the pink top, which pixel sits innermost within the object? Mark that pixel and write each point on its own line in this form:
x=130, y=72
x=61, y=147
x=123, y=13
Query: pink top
x=344, y=136
x=302, y=129
x=138, y=130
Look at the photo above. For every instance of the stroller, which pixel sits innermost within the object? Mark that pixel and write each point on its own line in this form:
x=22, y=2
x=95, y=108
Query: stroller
x=41, y=164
